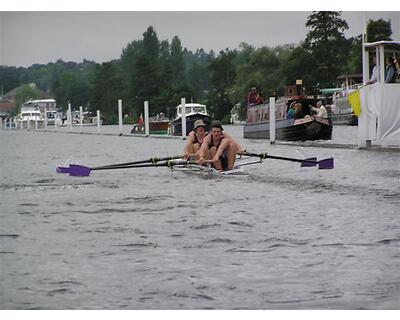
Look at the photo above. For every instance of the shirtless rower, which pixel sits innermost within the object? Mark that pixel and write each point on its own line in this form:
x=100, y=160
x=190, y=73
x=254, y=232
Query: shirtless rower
x=195, y=140
x=218, y=148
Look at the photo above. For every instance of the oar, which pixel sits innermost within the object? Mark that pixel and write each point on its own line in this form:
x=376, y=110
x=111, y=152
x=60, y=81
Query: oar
x=82, y=171
x=310, y=162
x=151, y=160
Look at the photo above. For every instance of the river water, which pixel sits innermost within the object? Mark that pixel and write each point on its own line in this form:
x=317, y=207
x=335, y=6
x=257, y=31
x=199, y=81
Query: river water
x=283, y=237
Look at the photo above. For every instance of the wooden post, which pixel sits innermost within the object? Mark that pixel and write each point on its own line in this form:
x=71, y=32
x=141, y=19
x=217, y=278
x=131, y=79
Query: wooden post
x=120, y=116
x=98, y=122
x=81, y=119
x=183, y=106
x=45, y=119
x=69, y=115
x=146, y=118
x=272, y=120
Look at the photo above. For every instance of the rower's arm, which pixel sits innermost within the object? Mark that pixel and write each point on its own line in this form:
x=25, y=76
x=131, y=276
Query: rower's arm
x=226, y=142
x=236, y=145
x=204, y=147
x=189, y=142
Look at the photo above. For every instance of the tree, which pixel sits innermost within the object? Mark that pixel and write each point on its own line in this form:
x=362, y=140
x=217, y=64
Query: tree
x=299, y=65
x=140, y=63
x=147, y=65
x=108, y=87
x=328, y=45
x=8, y=79
x=72, y=87
x=27, y=92
x=175, y=84
x=376, y=31
x=379, y=30
x=197, y=64
x=222, y=76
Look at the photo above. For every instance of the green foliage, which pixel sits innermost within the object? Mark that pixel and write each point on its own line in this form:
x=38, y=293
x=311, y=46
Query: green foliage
x=9, y=78
x=111, y=119
x=226, y=119
x=27, y=92
x=328, y=46
x=376, y=31
x=299, y=65
x=379, y=30
x=222, y=75
x=355, y=60
x=129, y=120
x=161, y=73
x=108, y=87
x=198, y=76
x=71, y=87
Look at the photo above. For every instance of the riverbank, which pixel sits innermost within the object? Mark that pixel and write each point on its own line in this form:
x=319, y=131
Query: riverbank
x=343, y=137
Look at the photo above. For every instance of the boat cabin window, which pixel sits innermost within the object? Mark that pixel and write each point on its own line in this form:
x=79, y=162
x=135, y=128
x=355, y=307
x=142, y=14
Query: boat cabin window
x=187, y=109
x=199, y=109
x=50, y=115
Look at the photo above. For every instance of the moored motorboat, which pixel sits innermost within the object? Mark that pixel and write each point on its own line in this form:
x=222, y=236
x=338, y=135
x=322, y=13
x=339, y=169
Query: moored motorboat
x=303, y=126
x=158, y=124
x=194, y=111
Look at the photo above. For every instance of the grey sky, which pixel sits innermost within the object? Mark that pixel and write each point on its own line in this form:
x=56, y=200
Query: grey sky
x=42, y=37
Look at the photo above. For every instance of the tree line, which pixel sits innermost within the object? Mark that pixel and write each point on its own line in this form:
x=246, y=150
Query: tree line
x=162, y=72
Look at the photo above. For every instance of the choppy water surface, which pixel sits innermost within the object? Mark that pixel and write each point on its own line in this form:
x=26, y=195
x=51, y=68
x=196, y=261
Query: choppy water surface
x=284, y=237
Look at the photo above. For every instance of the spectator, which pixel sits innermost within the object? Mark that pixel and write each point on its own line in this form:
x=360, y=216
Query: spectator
x=390, y=72
x=259, y=99
x=320, y=110
x=374, y=75
x=252, y=96
x=298, y=111
x=290, y=112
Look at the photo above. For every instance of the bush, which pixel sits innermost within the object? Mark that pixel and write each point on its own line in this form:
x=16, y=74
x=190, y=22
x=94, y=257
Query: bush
x=129, y=120
x=111, y=119
x=226, y=119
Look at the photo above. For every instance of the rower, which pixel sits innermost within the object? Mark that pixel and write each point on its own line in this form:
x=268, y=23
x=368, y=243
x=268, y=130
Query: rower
x=219, y=149
x=195, y=140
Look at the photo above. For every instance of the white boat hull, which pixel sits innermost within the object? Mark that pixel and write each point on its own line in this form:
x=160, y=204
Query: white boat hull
x=209, y=171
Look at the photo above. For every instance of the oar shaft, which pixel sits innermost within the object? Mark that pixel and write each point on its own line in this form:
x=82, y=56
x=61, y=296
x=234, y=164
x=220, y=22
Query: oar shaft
x=265, y=156
x=151, y=160
x=291, y=159
x=169, y=163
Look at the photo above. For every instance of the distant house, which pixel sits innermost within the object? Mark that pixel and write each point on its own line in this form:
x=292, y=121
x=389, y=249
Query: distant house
x=6, y=108
x=8, y=102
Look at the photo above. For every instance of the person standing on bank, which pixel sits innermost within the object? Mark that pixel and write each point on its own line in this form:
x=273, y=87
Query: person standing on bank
x=374, y=75
x=219, y=149
x=390, y=71
x=252, y=97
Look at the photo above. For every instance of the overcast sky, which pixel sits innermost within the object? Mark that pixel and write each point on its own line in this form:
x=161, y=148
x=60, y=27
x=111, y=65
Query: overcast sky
x=41, y=37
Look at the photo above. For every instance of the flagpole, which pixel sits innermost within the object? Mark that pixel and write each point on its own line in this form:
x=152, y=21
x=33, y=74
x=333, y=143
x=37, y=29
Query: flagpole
x=365, y=62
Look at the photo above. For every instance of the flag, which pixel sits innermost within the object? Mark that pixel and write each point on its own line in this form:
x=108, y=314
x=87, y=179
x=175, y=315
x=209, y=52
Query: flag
x=354, y=100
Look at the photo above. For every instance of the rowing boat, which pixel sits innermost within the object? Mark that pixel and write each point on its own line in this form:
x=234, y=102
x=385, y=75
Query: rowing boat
x=209, y=171
x=178, y=163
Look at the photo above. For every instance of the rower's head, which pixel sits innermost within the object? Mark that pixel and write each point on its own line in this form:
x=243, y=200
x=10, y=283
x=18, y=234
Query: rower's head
x=199, y=127
x=216, y=129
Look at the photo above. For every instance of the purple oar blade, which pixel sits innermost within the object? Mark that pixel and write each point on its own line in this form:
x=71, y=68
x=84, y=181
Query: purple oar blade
x=309, y=162
x=326, y=164
x=78, y=170
x=62, y=169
